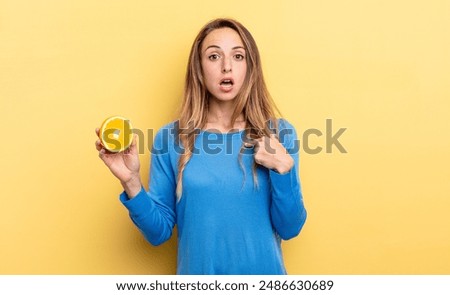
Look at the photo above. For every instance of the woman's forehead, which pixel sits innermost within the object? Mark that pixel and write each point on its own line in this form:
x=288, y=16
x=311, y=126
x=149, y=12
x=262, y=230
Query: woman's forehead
x=222, y=38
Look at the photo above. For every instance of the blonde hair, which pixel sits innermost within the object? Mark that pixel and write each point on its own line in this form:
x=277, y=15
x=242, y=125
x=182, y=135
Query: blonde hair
x=253, y=100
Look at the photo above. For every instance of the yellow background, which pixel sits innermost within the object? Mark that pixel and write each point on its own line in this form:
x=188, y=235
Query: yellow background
x=381, y=69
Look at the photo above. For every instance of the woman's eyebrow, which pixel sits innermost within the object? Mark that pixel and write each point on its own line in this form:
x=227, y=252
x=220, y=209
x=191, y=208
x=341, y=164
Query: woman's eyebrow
x=212, y=46
x=216, y=46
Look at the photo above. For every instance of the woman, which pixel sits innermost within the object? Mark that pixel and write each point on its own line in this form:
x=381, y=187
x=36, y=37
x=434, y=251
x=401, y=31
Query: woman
x=228, y=222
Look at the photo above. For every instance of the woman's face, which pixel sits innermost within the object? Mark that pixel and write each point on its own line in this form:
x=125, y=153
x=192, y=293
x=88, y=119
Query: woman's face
x=224, y=65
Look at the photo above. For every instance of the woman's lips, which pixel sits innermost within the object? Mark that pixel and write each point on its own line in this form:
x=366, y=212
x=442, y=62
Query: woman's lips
x=226, y=84
x=226, y=87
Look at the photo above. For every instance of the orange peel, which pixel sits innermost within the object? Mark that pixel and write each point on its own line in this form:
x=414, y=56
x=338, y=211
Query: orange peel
x=116, y=134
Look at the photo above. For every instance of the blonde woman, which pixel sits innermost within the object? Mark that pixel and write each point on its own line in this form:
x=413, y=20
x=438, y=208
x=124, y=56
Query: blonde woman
x=226, y=172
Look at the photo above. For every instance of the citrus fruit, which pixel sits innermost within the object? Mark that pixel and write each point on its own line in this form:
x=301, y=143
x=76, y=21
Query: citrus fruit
x=116, y=134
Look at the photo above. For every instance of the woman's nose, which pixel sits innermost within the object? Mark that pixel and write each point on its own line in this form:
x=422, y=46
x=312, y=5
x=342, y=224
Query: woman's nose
x=226, y=66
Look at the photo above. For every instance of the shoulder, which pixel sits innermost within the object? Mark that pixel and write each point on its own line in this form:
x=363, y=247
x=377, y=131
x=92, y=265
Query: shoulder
x=284, y=124
x=169, y=126
x=165, y=136
x=167, y=129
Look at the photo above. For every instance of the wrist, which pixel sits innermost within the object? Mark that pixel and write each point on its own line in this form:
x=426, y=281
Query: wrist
x=132, y=186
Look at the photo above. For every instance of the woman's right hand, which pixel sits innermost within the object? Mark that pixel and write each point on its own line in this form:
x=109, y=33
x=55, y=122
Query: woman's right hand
x=124, y=165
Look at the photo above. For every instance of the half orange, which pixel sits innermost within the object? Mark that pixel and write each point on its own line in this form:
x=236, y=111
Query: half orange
x=116, y=134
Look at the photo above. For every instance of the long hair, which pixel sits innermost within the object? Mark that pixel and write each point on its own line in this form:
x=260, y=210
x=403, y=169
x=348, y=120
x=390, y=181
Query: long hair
x=253, y=100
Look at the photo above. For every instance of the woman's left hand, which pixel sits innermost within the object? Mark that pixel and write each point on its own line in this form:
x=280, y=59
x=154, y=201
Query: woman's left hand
x=270, y=153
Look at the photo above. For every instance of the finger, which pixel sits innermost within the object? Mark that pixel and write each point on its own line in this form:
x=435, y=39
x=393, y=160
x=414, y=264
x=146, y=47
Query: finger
x=249, y=143
x=97, y=131
x=101, y=153
x=98, y=145
x=267, y=145
x=275, y=137
x=101, y=148
x=251, y=138
x=104, y=152
x=258, y=143
x=134, y=141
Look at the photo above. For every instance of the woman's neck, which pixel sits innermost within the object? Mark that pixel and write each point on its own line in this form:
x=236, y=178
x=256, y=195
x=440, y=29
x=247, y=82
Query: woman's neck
x=219, y=116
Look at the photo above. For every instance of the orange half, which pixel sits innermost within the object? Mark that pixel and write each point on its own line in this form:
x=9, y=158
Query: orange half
x=116, y=134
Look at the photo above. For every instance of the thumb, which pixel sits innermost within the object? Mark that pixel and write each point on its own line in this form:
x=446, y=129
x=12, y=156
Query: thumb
x=134, y=141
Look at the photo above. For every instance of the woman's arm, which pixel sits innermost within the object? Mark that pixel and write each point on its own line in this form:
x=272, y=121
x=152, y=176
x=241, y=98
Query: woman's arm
x=153, y=212
x=287, y=209
x=281, y=156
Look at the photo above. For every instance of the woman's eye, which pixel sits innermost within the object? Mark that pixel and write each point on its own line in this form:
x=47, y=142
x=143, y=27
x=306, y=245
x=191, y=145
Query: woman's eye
x=213, y=57
x=239, y=57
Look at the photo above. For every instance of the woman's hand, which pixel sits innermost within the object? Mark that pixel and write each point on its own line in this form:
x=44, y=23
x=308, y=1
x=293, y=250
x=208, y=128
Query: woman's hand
x=270, y=153
x=124, y=165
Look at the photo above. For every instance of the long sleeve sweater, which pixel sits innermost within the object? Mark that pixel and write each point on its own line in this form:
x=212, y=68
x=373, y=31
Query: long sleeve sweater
x=226, y=223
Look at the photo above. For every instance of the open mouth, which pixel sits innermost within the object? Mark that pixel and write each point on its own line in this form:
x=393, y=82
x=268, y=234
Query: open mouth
x=227, y=82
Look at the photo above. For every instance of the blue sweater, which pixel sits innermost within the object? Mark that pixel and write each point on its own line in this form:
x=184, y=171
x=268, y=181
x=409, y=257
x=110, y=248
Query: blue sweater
x=226, y=225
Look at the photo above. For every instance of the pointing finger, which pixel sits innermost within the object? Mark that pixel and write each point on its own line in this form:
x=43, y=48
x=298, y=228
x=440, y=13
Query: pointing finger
x=250, y=143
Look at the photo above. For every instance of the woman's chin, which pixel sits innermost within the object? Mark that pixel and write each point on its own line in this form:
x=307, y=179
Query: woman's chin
x=224, y=97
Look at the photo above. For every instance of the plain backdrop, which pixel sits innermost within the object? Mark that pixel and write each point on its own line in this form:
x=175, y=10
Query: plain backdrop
x=380, y=69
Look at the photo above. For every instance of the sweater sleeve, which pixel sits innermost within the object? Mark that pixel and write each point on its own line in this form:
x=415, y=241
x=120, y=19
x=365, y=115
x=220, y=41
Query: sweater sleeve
x=287, y=210
x=153, y=212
